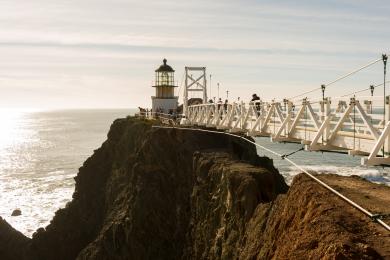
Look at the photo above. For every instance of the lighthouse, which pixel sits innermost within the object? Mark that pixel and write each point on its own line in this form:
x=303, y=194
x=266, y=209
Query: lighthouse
x=165, y=100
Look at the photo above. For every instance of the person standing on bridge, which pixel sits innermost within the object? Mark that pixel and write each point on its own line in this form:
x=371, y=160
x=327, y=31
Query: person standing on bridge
x=255, y=98
x=225, y=105
x=256, y=101
x=219, y=103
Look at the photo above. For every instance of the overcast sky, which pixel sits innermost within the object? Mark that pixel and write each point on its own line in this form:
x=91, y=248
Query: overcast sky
x=93, y=53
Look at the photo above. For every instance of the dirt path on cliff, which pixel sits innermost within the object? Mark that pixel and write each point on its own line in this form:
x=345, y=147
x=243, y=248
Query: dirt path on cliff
x=371, y=196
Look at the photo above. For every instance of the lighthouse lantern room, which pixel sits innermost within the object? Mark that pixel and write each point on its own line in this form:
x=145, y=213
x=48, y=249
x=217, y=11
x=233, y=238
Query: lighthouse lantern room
x=165, y=100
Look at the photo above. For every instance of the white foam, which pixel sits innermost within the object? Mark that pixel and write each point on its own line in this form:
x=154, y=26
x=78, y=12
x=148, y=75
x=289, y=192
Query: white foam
x=371, y=174
x=37, y=201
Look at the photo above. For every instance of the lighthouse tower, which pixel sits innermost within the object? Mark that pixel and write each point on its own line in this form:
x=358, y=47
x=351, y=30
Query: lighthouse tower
x=165, y=100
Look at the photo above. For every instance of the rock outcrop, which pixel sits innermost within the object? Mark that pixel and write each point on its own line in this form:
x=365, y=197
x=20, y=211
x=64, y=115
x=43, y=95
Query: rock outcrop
x=151, y=193
x=16, y=212
x=12, y=242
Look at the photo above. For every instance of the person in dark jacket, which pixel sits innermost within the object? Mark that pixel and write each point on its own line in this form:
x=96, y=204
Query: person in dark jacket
x=255, y=97
x=225, y=105
x=256, y=100
x=219, y=103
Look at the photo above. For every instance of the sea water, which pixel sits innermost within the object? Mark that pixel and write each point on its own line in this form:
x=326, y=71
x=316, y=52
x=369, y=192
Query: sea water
x=41, y=152
x=320, y=162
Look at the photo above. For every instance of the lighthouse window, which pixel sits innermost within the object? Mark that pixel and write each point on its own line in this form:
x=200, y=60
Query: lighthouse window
x=164, y=78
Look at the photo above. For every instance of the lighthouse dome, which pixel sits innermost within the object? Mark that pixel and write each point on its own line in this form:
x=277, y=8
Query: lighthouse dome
x=165, y=67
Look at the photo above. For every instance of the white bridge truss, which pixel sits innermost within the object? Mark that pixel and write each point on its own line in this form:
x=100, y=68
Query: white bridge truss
x=358, y=126
x=194, y=83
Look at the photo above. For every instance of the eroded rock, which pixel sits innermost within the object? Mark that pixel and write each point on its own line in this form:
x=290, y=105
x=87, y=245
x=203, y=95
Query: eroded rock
x=16, y=212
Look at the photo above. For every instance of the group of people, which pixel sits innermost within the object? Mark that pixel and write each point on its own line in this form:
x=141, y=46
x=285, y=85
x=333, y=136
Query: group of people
x=146, y=112
x=255, y=98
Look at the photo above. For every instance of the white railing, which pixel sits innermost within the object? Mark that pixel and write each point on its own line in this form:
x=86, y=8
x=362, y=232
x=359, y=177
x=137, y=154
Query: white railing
x=357, y=125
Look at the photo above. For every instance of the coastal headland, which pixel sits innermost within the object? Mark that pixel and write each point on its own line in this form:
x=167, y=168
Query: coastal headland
x=150, y=193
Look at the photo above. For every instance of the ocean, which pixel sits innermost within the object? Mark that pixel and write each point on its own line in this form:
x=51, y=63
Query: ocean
x=41, y=152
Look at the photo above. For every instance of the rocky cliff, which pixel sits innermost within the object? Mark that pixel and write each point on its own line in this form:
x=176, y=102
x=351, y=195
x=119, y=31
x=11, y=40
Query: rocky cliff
x=151, y=193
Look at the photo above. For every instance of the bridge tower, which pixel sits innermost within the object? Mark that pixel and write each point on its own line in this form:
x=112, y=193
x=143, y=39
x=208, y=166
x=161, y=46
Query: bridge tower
x=195, y=81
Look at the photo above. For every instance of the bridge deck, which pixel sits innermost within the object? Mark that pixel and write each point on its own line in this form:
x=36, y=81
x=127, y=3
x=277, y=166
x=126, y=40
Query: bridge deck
x=342, y=123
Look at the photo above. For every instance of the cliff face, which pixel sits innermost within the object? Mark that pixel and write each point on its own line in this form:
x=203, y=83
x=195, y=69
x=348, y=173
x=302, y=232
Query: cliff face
x=224, y=198
x=176, y=194
x=151, y=191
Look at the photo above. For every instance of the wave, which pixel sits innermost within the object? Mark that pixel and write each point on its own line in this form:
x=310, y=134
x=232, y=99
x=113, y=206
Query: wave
x=371, y=174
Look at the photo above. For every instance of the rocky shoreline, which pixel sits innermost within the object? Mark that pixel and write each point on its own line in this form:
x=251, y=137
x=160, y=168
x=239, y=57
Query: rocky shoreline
x=174, y=194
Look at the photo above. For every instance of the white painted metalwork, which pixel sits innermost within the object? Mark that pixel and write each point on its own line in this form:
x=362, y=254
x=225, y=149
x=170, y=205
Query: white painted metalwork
x=195, y=81
x=356, y=125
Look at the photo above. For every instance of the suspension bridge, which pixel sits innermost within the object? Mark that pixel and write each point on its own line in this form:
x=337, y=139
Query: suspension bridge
x=357, y=125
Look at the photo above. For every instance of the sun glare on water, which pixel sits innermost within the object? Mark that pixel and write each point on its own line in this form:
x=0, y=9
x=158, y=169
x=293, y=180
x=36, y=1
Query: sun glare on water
x=8, y=126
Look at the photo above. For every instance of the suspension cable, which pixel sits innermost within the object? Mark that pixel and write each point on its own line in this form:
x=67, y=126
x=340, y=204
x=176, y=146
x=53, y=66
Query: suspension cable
x=338, y=79
x=305, y=119
x=384, y=59
x=307, y=92
x=353, y=72
x=284, y=156
x=374, y=217
x=354, y=123
x=365, y=89
x=356, y=92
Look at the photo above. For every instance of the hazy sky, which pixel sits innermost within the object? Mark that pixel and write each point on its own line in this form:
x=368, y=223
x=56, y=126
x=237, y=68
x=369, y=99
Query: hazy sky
x=84, y=53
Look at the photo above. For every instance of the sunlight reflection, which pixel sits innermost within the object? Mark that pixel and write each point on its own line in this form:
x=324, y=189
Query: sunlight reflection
x=8, y=126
